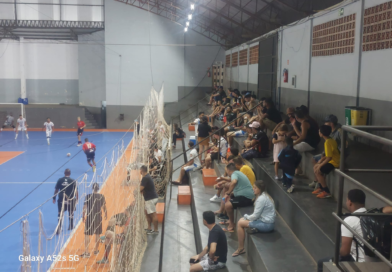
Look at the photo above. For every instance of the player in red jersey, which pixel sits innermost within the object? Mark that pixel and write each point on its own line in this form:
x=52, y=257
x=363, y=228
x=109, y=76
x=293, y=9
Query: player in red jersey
x=81, y=126
x=89, y=150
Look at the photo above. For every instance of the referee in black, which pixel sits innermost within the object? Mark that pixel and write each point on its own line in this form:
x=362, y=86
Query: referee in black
x=67, y=189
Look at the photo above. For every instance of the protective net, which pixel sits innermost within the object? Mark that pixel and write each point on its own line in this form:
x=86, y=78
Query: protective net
x=109, y=222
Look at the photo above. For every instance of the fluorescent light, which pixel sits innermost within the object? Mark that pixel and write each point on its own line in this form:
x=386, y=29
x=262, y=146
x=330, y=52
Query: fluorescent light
x=190, y=17
x=187, y=23
x=192, y=6
x=186, y=29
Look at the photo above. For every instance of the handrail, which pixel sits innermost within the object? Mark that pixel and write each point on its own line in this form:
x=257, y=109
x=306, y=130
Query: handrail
x=222, y=128
x=343, y=176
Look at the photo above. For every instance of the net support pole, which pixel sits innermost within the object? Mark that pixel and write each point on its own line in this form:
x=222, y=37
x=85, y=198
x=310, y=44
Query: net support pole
x=22, y=68
x=26, y=265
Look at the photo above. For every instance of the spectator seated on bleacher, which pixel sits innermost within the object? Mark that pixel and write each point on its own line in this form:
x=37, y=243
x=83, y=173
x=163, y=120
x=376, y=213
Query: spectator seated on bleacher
x=229, y=115
x=272, y=116
x=178, y=134
x=336, y=134
x=219, y=109
x=308, y=136
x=289, y=159
x=305, y=110
x=214, y=255
x=192, y=164
x=154, y=167
x=217, y=96
x=236, y=96
x=157, y=153
x=326, y=164
x=214, y=92
x=240, y=194
x=222, y=149
x=261, y=220
x=351, y=249
x=223, y=184
x=259, y=145
x=260, y=111
x=236, y=132
x=245, y=169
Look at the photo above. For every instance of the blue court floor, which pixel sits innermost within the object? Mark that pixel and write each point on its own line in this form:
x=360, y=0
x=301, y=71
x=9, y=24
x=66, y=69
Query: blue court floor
x=21, y=174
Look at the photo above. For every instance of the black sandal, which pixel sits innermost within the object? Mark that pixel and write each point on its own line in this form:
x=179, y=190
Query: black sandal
x=239, y=252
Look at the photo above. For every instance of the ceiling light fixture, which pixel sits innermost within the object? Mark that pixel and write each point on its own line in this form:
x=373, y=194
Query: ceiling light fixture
x=190, y=17
x=186, y=29
x=187, y=23
x=192, y=6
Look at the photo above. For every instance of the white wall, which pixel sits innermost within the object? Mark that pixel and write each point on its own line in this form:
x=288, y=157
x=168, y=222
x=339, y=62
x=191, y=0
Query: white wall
x=295, y=55
x=43, y=59
x=127, y=34
x=337, y=74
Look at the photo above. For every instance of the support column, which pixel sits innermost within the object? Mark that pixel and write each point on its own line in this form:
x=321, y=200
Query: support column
x=22, y=65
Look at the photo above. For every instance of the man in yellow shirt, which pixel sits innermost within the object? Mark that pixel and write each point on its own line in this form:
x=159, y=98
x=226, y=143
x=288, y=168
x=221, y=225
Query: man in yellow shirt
x=245, y=169
x=327, y=163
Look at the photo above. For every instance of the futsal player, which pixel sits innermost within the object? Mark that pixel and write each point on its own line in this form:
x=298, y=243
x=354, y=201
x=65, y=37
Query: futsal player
x=9, y=121
x=68, y=193
x=81, y=126
x=21, y=126
x=49, y=128
x=89, y=150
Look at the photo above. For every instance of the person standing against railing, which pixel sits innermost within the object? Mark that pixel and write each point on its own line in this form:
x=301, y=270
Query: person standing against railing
x=203, y=131
x=147, y=187
x=197, y=121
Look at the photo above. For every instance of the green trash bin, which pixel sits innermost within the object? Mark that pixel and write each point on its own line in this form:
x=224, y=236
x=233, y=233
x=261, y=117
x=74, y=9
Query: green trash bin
x=357, y=116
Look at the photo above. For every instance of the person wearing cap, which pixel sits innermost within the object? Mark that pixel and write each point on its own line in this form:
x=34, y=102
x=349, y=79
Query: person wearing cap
x=259, y=145
x=92, y=217
x=272, y=116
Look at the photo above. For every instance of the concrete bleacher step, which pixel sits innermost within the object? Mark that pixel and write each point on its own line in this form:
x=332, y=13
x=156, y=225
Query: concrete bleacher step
x=209, y=177
x=184, y=195
x=355, y=267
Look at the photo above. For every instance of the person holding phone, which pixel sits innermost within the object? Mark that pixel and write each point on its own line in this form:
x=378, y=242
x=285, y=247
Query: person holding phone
x=214, y=255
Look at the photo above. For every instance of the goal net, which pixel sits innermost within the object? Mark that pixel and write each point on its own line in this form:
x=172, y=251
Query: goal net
x=11, y=109
x=121, y=235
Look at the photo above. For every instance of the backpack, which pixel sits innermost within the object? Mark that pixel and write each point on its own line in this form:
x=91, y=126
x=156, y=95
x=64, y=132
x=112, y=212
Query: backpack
x=377, y=232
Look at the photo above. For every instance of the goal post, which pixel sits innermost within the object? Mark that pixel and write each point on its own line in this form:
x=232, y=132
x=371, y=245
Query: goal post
x=14, y=108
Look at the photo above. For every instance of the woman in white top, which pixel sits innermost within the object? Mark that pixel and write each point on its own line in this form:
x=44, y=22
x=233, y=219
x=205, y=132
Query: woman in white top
x=262, y=219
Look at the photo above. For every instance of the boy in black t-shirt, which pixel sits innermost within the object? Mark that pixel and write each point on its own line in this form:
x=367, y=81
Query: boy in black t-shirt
x=68, y=195
x=214, y=255
x=259, y=145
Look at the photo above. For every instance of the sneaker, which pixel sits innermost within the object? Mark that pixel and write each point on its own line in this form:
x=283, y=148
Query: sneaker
x=323, y=194
x=216, y=198
x=317, y=191
x=80, y=145
x=48, y=143
x=251, y=230
x=153, y=232
x=94, y=168
x=27, y=136
x=103, y=261
x=223, y=217
x=291, y=189
x=272, y=163
x=276, y=177
x=313, y=184
x=85, y=255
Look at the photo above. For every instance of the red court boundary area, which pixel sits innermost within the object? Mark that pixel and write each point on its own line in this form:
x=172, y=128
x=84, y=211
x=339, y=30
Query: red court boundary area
x=8, y=155
x=74, y=129
x=113, y=190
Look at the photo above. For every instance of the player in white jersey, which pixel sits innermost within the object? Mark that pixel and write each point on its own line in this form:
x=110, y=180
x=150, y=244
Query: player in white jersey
x=49, y=129
x=9, y=121
x=22, y=126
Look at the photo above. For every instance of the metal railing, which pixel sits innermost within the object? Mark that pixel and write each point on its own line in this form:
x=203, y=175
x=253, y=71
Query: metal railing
x=358, y=131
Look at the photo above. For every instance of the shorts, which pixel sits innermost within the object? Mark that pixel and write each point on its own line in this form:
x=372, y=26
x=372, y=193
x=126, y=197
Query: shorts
x=327, y=168
x=150, y=205
x=240, y=201
x=269, y=124
x=238, y=133
x=48, y=134
x=209, y=264
x=69, y=205
x=217, y=98
x=231, y=128
x=80, y=131
x=190, y=167
x=214, y=156
x=261, y=226
x=303, y=147
x=22, y=128
x=93, y=224
x=201, y=142
x=90, y=156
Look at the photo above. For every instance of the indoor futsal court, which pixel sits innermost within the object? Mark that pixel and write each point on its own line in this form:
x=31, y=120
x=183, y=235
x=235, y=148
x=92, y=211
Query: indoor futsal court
x=30, y=168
